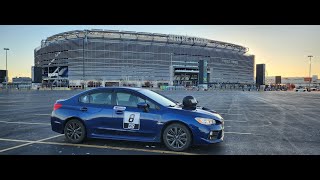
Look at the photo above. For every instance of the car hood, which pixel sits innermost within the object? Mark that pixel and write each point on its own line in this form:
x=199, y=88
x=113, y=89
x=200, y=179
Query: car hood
x=201, y=111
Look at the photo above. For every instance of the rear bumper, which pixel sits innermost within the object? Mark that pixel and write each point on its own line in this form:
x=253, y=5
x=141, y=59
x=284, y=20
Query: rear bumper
x=57, y=125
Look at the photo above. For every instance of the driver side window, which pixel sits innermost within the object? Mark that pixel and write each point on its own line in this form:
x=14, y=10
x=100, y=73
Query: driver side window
x=152, y=105
x=127, y=99
x=131, y=100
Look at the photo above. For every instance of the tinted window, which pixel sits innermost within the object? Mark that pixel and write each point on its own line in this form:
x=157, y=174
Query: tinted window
x=101, y=98
x=85, y=99
x=152, y=105
x=97, y=98
x=127, y=99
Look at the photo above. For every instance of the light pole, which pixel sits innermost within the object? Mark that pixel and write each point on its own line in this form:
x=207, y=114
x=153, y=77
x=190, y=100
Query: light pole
x=6, y=49
x=85, y=40
x=83, y=59
x=310, y=56
x=171, y=70
x=171, y=59
x=48, y=73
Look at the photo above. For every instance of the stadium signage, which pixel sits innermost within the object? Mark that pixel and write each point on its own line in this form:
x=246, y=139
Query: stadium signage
x=229, y=61
x=187, y=39
x=53, y=74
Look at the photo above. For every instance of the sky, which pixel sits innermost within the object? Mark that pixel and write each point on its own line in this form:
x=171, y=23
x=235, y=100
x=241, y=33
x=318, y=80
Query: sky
x=284, y=49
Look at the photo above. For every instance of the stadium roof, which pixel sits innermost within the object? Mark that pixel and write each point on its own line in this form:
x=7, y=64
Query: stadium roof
x=144, y=36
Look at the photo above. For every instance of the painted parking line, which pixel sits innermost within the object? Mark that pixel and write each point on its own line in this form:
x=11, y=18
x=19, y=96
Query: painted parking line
x=28, y=143
x=86, y=145
x=10, y=102
x=231, y=114
x=11, y=122
x=23, y=109
x=237, y=133
x=234, y=121
x=42, y=114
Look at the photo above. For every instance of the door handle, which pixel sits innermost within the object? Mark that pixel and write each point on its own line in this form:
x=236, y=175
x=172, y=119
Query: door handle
x=119, y=112
x=83, y=109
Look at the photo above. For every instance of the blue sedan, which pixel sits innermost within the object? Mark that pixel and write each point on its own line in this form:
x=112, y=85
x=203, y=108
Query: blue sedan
x=136, y=114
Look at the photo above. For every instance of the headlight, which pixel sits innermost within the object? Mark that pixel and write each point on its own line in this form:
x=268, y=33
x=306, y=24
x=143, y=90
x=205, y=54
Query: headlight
x=205, y=121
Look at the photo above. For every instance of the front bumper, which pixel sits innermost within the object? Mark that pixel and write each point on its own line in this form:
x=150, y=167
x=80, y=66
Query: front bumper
x=204, y=134
x=216, y=138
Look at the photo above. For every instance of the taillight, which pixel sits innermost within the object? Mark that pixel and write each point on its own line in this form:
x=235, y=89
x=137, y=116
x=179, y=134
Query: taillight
x=57, y=106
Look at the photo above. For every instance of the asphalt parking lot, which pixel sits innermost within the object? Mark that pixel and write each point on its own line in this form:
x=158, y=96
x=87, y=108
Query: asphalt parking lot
x=256, y=123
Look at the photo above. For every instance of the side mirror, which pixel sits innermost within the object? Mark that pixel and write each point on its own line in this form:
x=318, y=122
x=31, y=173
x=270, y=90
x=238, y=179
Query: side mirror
x=143, y=105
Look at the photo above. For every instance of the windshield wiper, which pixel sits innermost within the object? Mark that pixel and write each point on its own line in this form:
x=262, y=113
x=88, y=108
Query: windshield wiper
x=177, y=104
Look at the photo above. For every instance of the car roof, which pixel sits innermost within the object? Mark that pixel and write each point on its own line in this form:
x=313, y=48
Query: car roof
x=131, y=88
x=106, y=88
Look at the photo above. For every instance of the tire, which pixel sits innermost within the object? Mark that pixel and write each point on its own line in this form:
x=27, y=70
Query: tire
x=177, y=137
x=74, y=131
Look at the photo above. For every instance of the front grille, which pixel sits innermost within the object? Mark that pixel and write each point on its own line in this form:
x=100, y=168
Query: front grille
x=215, y=135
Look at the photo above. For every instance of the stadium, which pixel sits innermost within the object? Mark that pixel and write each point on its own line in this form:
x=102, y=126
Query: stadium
x=106, y=57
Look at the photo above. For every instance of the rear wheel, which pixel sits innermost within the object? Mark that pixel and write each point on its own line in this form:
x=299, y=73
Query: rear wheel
x=177, y=137
x=75, y=131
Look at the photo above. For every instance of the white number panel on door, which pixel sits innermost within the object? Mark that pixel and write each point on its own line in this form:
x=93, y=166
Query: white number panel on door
x=131, y=120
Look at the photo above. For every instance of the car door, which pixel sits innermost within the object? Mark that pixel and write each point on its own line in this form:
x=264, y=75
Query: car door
x=134, y=123
x=96, y=110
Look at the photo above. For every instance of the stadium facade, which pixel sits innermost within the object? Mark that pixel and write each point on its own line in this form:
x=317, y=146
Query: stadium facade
x=108, y=57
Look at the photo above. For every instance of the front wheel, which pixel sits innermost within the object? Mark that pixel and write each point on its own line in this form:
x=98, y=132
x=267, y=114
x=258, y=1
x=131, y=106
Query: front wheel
x=75, y=131
x=177, y=137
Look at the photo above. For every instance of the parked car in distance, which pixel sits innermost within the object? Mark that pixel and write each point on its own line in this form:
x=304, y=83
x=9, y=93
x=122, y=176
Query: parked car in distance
x=300, y=90
x=313, y=89
x=202, y=87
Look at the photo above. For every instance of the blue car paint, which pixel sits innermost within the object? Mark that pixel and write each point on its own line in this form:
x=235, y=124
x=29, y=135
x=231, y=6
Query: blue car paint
x=101, y=121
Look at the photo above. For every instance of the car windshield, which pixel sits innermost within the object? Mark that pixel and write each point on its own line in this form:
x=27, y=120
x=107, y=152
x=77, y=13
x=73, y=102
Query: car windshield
x=158, y=98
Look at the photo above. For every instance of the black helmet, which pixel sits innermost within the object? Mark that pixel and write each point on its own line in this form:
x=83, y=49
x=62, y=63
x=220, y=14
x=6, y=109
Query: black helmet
x=189, y=101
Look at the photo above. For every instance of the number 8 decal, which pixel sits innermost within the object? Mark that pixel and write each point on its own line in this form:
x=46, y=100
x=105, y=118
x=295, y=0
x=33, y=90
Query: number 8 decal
x=131, y=118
